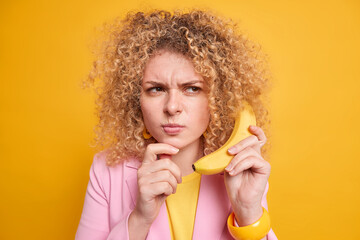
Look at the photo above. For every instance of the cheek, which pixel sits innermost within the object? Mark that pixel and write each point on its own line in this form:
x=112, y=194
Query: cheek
x=147, y=106
x=203, y=113
x=146, y=114
x=149, y=114
x=144, y=109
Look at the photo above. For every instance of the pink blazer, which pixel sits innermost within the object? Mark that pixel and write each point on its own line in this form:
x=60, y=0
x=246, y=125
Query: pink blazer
x=111, y=196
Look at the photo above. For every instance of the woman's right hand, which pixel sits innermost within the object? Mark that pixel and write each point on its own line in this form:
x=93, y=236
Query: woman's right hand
x=157, y=179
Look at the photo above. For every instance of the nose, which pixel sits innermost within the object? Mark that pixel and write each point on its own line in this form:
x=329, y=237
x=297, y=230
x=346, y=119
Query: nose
x=173, y=103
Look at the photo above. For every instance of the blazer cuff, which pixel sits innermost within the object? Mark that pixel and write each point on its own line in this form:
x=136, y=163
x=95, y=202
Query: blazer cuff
x=120, y=230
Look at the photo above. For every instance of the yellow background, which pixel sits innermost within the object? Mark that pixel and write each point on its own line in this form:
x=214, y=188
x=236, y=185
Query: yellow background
x=47, y=121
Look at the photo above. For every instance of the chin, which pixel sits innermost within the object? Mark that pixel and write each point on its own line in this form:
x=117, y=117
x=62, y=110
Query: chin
x=176, y=142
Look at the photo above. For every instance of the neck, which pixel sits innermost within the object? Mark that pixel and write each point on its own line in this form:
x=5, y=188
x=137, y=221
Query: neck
x=187, y=156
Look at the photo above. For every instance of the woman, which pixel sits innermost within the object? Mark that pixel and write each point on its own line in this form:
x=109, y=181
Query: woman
x=172, y=84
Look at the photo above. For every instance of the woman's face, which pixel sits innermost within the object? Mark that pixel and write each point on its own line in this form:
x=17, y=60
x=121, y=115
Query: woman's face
x=173, y=100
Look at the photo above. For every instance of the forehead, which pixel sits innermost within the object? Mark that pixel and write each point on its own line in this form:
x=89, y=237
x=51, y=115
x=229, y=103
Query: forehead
x=170, y=66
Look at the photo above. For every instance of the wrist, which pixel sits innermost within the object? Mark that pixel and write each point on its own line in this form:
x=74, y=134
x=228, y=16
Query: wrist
x=256, y=230
x=137, y=218
x=138, y=228
x=246, y=216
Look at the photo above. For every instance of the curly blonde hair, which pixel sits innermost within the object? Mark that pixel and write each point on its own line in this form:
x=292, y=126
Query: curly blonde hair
x=232, y=66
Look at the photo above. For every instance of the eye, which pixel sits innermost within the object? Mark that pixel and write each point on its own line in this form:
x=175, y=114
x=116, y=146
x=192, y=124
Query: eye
x=155, y=89
x=193, y=89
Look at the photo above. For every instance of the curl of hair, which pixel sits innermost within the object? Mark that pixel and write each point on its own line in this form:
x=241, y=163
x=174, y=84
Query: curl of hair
x=232, y=66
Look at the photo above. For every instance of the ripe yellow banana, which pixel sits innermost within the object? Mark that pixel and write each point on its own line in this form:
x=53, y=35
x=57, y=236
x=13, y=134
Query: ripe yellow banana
x=217, y=161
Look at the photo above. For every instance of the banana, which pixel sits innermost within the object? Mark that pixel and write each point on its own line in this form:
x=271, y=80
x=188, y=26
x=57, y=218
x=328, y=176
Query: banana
x=217, y=161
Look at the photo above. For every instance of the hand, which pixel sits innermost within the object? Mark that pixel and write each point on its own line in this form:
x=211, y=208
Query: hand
x=157, y=179
x=246, y=177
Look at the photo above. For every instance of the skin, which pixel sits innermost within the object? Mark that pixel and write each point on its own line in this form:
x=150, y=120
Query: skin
x=172, y=92
x=165, y=99
x=246, y=177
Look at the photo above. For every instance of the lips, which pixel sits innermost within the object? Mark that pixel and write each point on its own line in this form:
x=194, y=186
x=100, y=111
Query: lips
x=172, y=128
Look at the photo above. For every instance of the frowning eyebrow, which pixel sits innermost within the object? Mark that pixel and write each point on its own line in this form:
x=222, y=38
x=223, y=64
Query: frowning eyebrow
x=183, y=84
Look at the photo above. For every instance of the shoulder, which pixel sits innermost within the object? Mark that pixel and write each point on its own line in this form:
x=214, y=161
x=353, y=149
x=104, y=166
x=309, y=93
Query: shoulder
x=110, y=181
x=100, y=168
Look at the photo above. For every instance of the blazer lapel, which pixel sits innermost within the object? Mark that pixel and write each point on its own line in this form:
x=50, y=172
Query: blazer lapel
x=212, y=209
x=159, y=229
x=130, y=174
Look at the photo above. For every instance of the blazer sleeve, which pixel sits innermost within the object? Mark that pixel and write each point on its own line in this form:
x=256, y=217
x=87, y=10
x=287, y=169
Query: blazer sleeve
x=94, y=222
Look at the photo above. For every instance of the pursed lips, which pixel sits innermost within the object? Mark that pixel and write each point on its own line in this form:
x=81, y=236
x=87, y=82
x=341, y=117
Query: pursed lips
x=172, y=128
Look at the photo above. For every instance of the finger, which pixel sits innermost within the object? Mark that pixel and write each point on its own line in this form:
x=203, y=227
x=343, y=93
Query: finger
x=247, y=142
x=256, y=165
x=159, y=188
x=152, y=150
x=248, y=151
x=163, y=164
x=160, y=176
x=259, y=133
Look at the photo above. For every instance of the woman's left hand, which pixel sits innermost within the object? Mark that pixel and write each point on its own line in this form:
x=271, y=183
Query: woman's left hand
x=246, y=177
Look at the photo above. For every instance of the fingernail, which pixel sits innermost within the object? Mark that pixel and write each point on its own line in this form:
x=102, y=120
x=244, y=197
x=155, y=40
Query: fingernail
x=175, y=150
x=253, y=127
x=232, y=150
x=228, y=168
x=232, y=172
